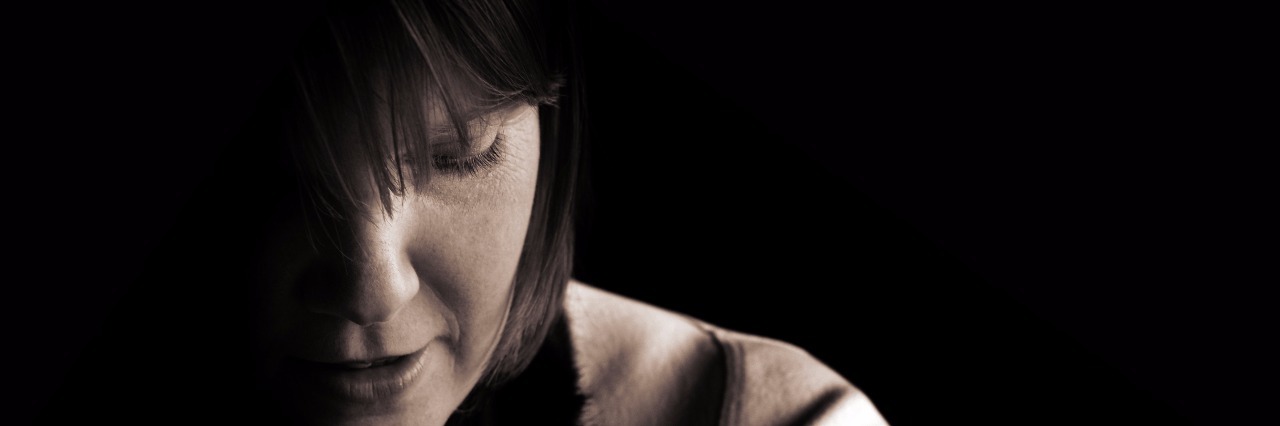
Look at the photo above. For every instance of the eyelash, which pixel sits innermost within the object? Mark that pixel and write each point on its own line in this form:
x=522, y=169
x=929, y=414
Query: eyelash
x=470, y=166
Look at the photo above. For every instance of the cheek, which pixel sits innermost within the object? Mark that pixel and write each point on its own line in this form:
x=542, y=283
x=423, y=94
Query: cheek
x=467, y=259
x=280, y=260
x=466, y=240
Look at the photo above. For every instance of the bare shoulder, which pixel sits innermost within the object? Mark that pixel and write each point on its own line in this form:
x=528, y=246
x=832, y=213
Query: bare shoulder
x=641, y=364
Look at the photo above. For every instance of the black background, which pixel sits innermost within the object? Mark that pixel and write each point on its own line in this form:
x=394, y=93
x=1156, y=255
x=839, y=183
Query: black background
x=1008, y=216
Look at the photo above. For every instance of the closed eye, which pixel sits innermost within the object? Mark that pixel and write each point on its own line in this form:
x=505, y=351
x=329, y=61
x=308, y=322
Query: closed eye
x=472, y=164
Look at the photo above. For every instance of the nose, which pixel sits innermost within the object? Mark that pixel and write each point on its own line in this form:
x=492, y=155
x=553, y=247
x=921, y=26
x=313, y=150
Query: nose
x=366, y=277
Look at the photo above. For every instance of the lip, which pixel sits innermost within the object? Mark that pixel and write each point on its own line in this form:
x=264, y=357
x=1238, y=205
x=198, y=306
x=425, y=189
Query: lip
x=339, y=381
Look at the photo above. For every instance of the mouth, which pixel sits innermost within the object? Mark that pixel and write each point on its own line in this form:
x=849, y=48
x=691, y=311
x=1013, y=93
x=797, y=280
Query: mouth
x=356, y=381
x=360, y=365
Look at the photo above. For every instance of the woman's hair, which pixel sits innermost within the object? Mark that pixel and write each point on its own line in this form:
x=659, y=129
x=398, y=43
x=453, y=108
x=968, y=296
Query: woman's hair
x=365, y=84
x=359, y=88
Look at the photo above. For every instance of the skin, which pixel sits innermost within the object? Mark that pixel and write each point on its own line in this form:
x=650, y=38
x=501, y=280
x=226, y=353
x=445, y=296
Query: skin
x=437, y=274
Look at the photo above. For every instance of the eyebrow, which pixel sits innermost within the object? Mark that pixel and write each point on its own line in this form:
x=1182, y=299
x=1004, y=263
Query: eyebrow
x=471, y=116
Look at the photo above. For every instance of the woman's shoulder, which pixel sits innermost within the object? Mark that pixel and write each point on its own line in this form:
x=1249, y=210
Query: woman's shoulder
x=640, y=364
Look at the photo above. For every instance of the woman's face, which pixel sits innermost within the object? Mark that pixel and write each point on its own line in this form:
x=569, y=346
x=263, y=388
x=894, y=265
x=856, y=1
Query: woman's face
x=396, y=320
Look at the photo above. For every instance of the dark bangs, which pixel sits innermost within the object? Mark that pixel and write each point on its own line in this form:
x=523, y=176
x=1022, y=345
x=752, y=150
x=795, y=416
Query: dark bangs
x=375, y=82
x=367, y=81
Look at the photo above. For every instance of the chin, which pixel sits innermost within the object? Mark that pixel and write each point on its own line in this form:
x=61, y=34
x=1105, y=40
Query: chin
x=406, y=416
x=423, y=408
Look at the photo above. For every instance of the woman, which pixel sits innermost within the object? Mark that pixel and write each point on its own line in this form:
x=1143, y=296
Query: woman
x=408, y=191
